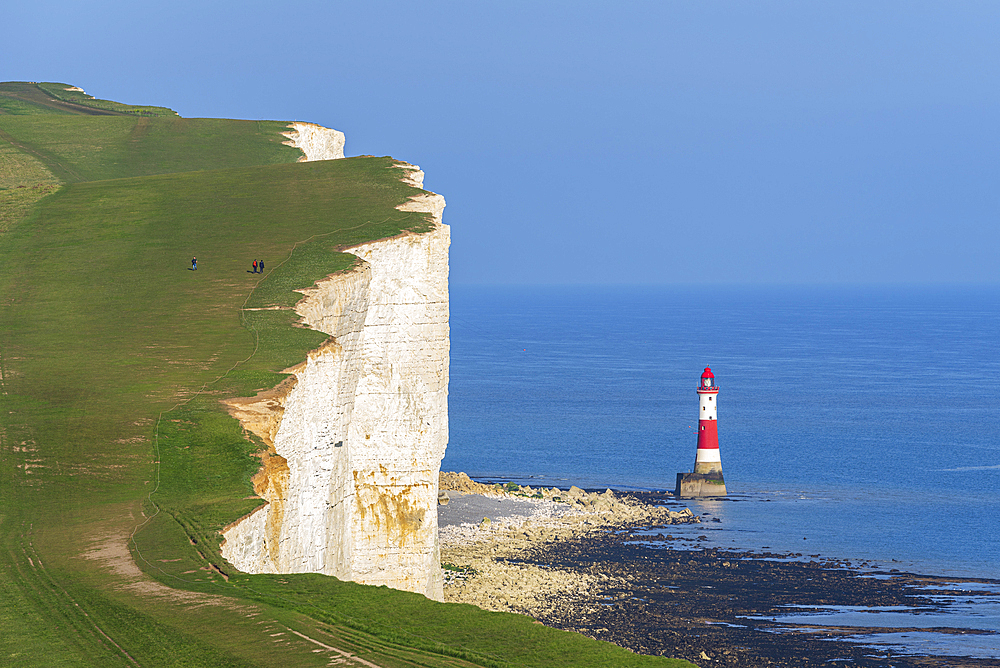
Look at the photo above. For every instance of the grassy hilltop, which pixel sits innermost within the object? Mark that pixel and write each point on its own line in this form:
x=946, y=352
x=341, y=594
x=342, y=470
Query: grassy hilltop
x=117, y=464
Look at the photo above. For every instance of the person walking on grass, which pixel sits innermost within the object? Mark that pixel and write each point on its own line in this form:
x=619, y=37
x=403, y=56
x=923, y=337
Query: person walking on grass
x=254, y=267
x=260, y=266
x=194, y=264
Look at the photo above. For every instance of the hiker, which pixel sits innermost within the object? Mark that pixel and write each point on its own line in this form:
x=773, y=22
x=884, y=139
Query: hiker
x=254, y=267
x=260, y=265
x=194, y=264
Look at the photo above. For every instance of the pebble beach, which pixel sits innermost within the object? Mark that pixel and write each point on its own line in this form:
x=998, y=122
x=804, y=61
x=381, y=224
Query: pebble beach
x=486, y=531
x=610, y=566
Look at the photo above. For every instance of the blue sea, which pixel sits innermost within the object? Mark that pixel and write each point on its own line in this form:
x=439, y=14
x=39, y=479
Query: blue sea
x=854, y=423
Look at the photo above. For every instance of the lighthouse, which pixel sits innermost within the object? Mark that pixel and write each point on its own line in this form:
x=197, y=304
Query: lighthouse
x=707, y=478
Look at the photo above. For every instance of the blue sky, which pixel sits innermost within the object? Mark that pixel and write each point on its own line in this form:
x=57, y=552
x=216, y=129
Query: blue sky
x=658, y=143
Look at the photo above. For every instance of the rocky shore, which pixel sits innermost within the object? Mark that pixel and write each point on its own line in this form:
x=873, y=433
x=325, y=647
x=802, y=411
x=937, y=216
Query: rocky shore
x=606, y=565
x=484, y=552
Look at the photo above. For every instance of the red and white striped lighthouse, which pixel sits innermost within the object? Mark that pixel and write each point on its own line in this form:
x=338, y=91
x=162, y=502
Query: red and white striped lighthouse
x=706, y=480
x=708, y=459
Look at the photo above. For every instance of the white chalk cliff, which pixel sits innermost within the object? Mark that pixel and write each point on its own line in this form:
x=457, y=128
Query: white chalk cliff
x=356, y=434
x=315, y=141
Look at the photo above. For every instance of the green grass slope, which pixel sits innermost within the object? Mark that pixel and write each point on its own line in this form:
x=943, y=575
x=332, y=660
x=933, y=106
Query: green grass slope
x=118, y=465
x=32, y=97
x=96, y=148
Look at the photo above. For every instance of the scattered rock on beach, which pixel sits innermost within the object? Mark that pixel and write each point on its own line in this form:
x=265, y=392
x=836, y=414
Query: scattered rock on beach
x=489, y=549
x=460, y=482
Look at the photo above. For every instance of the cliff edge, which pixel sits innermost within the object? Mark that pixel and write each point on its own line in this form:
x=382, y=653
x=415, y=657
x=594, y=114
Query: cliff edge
x=356, y=434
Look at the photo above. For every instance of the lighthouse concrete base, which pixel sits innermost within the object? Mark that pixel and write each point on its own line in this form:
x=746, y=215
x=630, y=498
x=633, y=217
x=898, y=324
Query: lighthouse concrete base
x=700, y=484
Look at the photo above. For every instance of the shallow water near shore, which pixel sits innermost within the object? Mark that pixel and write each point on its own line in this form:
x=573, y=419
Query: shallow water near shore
x=981, y=619
x=854, y=424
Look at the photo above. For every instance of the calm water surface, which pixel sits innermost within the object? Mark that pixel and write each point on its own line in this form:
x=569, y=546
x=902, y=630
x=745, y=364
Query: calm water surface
x=853, y=423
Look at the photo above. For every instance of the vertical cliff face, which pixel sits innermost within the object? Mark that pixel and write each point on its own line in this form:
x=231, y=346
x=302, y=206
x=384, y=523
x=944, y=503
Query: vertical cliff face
x=315, y=141
x=399, y=427
x=357, y=433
